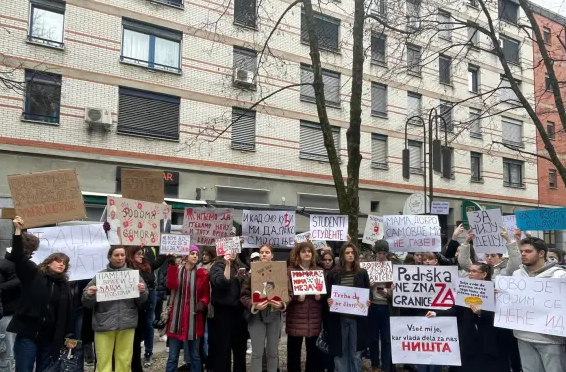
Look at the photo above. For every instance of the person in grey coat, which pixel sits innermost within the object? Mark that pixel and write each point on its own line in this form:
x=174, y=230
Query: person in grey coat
x=114, y=321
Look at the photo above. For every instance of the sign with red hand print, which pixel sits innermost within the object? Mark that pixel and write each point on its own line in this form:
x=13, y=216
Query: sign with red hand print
x=308, y=282
x=374, y=229
x=134, y=222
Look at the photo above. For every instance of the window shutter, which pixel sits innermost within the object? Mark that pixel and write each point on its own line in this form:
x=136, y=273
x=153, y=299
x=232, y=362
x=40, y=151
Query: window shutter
x=331, y=82
x=146, y=28
x=378, y=43
x=445, y=27
x=307, y=76
x=446, y=114
x=444, y=69
x=516, y=176
x=378, y=151
x=312, y=142
x=378, y=99
x=512, y=131
x=56, y=6
x=327, y=29
x=245, y=59
x=245, y=12
x=414, y=102
x=415, y=150
x=243, y=129
x=511, y=49
x=475, y=125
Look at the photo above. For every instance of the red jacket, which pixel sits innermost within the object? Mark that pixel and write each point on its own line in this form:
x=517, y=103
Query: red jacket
x=202, y=296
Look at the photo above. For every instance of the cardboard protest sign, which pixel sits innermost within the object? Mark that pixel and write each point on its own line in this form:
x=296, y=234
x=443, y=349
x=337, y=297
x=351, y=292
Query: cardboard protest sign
x=440, y=208
x=475, y=292
x=541, y=219
x=86, y=246
x=268, y=227
x=412, y=233
x=175, y=243
x=204, y=225
x=424, y=287
x=269, y=281
x=134, y=222
x=374, y=229
x=510, y=223
x=117, y=285
x=487, y=227
x=45, y=198
x=418, y=340
x=229, y=245
x=530, y=304
x=303, y=237
x=308, y=282
x=349, y=300
x=379, y=272
x=7, y=213
x=328, y=227
x=143, y=184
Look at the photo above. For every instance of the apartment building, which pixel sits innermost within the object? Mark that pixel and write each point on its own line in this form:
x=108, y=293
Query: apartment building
x=139, y=83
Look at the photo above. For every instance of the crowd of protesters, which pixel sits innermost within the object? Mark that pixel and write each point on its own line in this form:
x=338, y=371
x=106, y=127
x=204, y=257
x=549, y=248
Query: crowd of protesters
x=202, y=305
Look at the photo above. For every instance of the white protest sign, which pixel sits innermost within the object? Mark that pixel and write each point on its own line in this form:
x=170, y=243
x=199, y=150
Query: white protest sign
x=412, y=233
x=424, y=287
x=228, y=246
x=303, y=237
x=204, y=225
x=530, y=304
x=175, y=243
x=328, y=227
x=487, y=227
x=86, y=246
x=379, y=272
x=475, y=292
x=510, y=223
x=319, y=244
x=374, y=229
x=308, y=282
x=268, y=227
x=349, y=300
x=440, y=208
x=428, y=341
x=117, y=285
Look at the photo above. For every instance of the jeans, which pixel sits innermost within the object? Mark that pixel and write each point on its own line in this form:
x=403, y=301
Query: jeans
x=78, y=352
x=28, y=353
x=380, y=330
x=190, y=346
x=150, y=317
x=542, y=357
x=427, y=368
x=7, y=362
x=205, y=339
x=351, y=359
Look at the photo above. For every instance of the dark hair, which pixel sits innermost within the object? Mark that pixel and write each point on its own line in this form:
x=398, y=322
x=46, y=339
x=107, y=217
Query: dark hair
x=409, y=259
x=537, y=243
x=429, y=256
x=301, y=246
x=211, y=251
x=30, y=243
x=43, y=267
x=327, y=253
x=131, y=259
x=485, y=268
x=559, y=253
x=342, y=263
x=113, y=248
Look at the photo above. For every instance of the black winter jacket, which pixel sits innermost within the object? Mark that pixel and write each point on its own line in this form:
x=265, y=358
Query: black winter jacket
x=161, y=281
x=10, y=288
x=224, y=292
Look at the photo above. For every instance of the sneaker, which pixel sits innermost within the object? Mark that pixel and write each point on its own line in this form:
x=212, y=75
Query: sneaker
x=148, y=359
x=166, y=349
x=163, y=338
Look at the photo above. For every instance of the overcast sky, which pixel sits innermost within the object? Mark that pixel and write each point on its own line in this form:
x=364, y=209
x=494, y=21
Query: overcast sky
x=557, y=6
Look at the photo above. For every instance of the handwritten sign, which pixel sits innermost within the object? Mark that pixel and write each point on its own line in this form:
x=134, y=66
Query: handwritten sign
x=86, y=246
x=175, y=243
x=487, y=227
x=349, y=300
x=412, y=233
x=8, y=213
x=374, y=229
x=418, y=340
x=134, y=222
x=439, y=208
x=117, y=285
x=531, y=304
x=308, y=282
x=319, y=244
x=143, y=184
x=269, y=281
x=424, y=287
x=510, y=223
x=379, y=272
x=303, y=237
x=226, y=246
x=475, y=292
x=204, y=225
x=45, y=198
x=329, y=227
x=268, y=227
x=542, y=219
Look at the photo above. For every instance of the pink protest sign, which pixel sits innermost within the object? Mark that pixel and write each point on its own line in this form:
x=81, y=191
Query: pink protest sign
x=134, y=222
x=204, y=225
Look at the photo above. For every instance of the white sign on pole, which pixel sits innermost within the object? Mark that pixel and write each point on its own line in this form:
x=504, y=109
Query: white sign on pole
x=510, y=223
x=328, y=227
x=268, y=227
x=308, y=282
x=530, y=304
x=429, y=341
x=175, y=243
x=487, y=227
x=117, y=285
x=440, y=208
x=412, y=233
x=86, y=246
x=379, y=272
x=226, y=246
x=374, y=229
x=349, y=300
x=475, y=292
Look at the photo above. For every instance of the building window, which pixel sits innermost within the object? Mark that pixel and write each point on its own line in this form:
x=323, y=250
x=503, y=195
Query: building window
x=444, y=66
x=512, y=132
x=512, y=173
x=510, y=49
x=552, y=178
x=473, y=35
x=451, y=150
x=507, y=93
x=473, y=3
x=47, y=19
x=327, y=30
x=243, y=129
x=312, y=142
x=550, y=130
x=546, y=35
x=509, y=11
x=148, y=114
x=547, y=83
x=379, y=8
x=473, y=78
x=331, y=82
x=444, y=25
x=378, y=48
x=476, y=166
x=245, y=13
x=151, y=46
x=43, y=96
x=414, y=59
x=379, y=100
x=415, y=156
x=378, y=151
x=475, y=123
x=549, y=238
x=374, y=206
x=446, y=113
x=414, y=107
x=413, y=14
x=245, y=66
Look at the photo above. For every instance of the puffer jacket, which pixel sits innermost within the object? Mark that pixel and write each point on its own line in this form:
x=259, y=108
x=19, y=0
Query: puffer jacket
x=114, y=315
x=304, y=319
x=506, y=267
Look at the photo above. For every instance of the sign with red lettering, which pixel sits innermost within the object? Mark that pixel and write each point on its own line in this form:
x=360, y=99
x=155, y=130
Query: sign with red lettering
x=134, y=222
x=276, y=228
x=328, y=227
x=269, y=281
x=349, y=300
x=424, y=286
x=204, y=225
x=229, y=245
x=412, y=233
x=487, y=227
x=374, y=230
x=45, y=198
x=428, y=341
x=308, y=282
x=379, y=272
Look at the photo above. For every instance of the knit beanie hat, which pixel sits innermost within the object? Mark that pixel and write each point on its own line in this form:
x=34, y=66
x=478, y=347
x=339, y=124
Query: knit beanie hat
x=381, y=246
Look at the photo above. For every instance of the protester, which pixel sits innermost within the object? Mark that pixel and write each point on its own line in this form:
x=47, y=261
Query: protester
x=114, y=321
x=44, y=317
x=327, y=261
x=82, y=323
x=452, y=253
x=328, y=264
x=556, y=255
x=149, y=254
x=208, y=257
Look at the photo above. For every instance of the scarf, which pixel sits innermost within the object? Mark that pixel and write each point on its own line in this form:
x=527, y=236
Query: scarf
x=187, y=288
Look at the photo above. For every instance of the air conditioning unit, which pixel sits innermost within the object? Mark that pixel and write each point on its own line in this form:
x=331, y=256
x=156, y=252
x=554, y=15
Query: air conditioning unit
x=244, y=77
x=96, y=117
